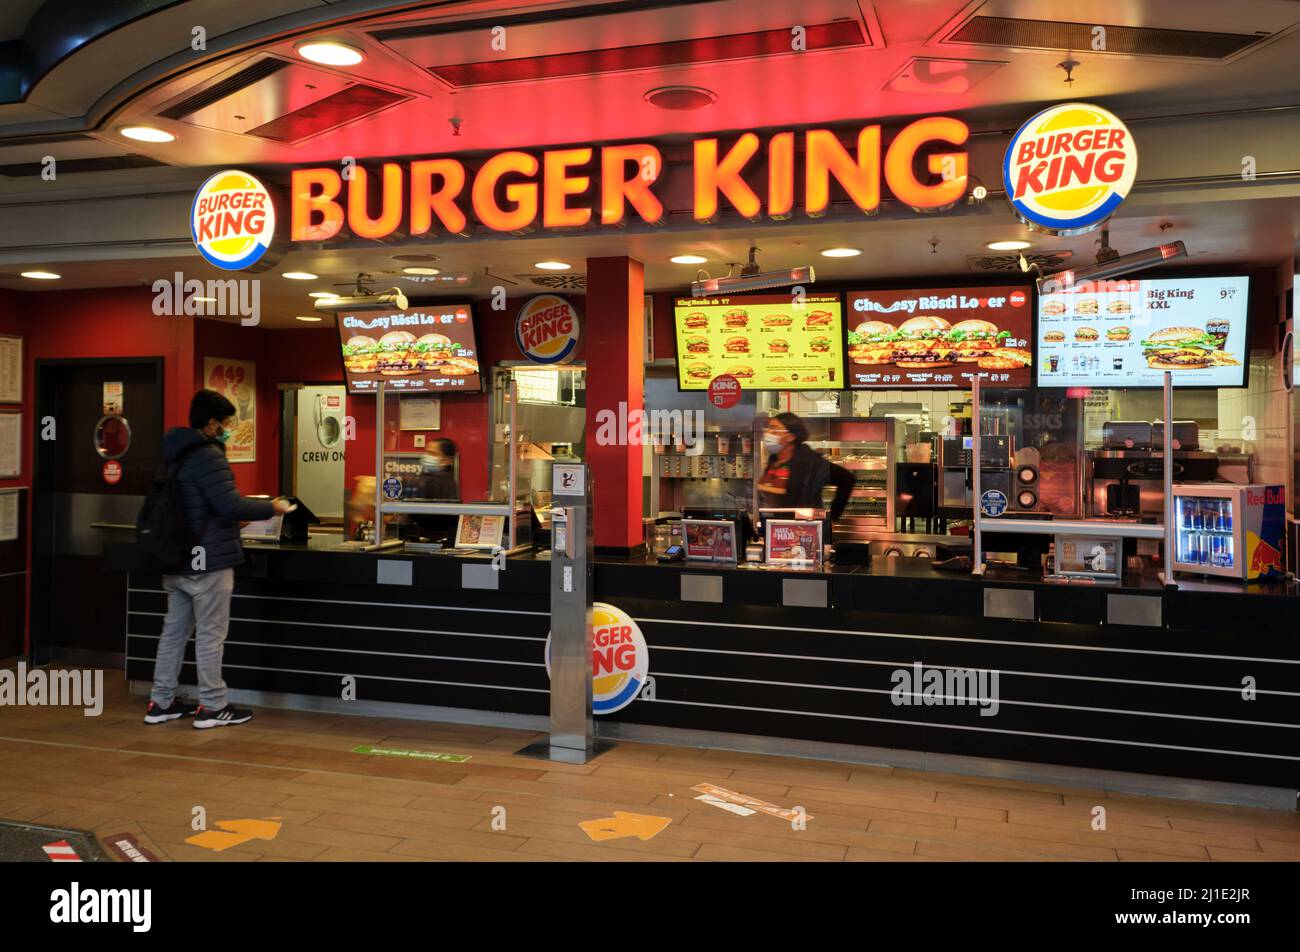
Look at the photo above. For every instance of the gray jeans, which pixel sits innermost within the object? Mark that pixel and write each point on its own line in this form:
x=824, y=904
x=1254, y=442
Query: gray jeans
x=200, y=603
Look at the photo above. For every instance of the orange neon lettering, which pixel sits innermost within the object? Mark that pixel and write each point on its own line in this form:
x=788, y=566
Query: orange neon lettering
x=390, y=215
x=826, y=157
x=556, y=185
x=712, y=176
x=616, y=191
x=523, y=195
x=313, y=193
x=780, y=175
x=900, y=159
x=425, y=202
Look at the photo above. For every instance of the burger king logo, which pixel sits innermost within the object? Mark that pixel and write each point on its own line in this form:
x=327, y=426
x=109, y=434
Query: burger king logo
x=547, y=329
x=620, y=660
x=1068, y=168
x=232, y=220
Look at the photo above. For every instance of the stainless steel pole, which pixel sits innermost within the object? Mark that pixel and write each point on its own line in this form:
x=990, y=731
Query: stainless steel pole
x=1167, y=448
x=977, y=541
x=379, y=465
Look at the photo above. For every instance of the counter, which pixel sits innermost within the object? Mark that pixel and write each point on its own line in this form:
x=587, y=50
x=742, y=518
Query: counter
x=1127, y=677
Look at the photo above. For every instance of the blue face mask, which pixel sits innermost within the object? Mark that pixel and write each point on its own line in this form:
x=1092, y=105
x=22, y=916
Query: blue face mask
x=223, y=436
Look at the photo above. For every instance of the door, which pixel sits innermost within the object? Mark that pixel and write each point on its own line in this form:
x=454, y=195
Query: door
x=92, y=470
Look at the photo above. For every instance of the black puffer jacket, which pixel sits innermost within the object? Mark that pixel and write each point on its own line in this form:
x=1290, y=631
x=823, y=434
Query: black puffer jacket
x=208, y=493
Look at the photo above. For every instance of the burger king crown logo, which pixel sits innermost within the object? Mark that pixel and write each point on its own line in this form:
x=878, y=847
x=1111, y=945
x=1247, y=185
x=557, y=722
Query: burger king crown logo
x=1068, y=168
x=620, y=660
x=232, y=220
x=547, y=329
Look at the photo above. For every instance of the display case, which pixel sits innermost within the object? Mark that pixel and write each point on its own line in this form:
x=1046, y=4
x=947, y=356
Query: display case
x=1235, y=531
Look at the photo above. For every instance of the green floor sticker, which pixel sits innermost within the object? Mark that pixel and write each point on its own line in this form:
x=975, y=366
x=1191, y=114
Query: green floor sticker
x=412, y=754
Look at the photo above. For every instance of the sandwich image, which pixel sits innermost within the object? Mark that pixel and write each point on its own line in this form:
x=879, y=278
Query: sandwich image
x=871, y=331
x=741, y=371
x=736, y=318
x=778, y=345
x=923, y=354
x=432, y=349
x=1053, y=307
x=872, y=354
x=697, y=345
x=872, y=342
x=1118, y=333
x=1054, y=337
x=776, y=320
x=736, y=345
x=459, y=367
x=1119, y=307
x=1005, y=358
x=1182, y=348
x=924, y=326
x=1085, y=335
x=361, y=355
x=1086, y=306
x=818, y=319
x=972, y=339
x=397, y=354
x=698, y=371
x=696, y=319
x=820, y=345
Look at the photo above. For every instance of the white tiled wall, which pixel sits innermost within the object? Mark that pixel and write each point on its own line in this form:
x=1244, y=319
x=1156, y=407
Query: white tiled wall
x=1256, y=419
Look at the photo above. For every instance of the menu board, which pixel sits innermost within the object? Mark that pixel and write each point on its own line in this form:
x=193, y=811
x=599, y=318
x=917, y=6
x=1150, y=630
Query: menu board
x=422, y=350
x=940, y=337
x=765, y=341
x=1128, y=332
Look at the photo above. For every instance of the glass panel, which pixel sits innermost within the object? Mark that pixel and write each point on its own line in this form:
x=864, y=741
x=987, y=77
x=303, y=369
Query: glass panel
x=551, y=423
x=112, y=437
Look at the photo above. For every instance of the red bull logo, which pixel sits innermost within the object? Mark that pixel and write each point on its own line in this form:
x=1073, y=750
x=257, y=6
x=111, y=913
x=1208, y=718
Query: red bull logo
x=1265, y=560
x=232, y=220
x=1069, y=167
x=620, y=660
x=547, y=329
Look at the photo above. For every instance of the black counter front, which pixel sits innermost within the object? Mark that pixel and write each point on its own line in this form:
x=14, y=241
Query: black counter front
x=1202, y=682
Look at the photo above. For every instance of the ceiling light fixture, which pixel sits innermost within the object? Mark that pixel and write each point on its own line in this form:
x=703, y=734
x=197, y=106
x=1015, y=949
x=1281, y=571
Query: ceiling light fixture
x=752, y=279
x=147, y=134
x=688, y=259
x=42, y=275
x=421, y=271
x=300, y=276
x=323, y=294
x=330, y=53
x=1014, y=244
x=681, y=98
x=552, y=266
x=841, y=252
x=309, y=320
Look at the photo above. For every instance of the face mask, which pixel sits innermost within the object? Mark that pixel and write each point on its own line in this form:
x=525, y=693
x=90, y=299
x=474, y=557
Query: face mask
x=223, y=436
x=772, y=443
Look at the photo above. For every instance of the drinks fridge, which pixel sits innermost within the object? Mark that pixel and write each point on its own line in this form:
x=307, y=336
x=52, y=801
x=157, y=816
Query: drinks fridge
x=1232, y=530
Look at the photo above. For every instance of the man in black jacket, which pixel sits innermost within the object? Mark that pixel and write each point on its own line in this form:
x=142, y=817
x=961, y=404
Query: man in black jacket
x=199, y=599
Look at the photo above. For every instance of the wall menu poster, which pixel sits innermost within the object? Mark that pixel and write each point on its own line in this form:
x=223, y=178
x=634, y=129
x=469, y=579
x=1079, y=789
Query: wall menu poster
x=430, y=349
x=11, y=369
x=237, y=380
x=940, y=337
x=710, y=539
x=766, y=341
x=1128, y=332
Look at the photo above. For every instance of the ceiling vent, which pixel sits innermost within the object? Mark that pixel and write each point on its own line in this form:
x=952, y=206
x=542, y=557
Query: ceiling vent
x=556, y=282
x=105, y=163
x=1007, y=32
x=1011, y=262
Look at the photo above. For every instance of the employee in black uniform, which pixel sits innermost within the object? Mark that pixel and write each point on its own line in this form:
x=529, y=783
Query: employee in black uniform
x=796, y=473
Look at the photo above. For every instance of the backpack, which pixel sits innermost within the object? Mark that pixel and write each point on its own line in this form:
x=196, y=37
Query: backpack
x=164, y=540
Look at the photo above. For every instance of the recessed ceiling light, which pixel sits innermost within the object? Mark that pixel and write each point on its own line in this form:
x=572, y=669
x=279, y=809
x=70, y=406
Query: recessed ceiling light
x=147, y=134
x=300, y=276
x=841, y=252
x=421, y=271
x=202, y=299
x=553, y=266
x=1016, y=244
x=330, y=53
x=688, y=259
x=415, y=257
x=41, y=275
x=323, y=294
x=678, y=98
x=310, y=320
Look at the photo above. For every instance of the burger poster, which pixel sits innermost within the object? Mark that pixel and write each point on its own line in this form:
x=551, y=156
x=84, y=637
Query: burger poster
x=767, y=341
x=1127, y=333
x=236, y=380
x=426, y=350
x=940, y=338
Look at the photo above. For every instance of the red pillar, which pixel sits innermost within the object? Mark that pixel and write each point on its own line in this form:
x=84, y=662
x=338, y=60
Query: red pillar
x=615, y=357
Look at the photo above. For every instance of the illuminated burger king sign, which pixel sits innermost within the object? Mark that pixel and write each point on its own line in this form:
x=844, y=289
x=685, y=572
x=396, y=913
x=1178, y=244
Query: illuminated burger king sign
x=232, y=221
x=547, y=329
x=1069, y=167
x=620, y=660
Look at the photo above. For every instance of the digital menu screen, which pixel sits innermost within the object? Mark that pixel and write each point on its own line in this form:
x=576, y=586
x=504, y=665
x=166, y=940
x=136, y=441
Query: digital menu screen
x=1128, y=332
x=421, y=350
x=940, y=337
x=765, y=341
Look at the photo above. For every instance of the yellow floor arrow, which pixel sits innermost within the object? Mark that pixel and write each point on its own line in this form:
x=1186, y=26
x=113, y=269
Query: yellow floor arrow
x=235, y=833
x=625, y=824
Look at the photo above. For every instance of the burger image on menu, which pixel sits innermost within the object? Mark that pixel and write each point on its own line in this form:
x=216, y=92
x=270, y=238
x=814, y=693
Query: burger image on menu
x=736, y=345
x=778, y=345
x=433, y=349
x=697, y=345
x=1054, y=337
x=1054, y=307
x=776, y=320
x=698, y=371
x=1086, y=306
x=696, y=319
x=872, y=343
x=397, y=355
x=1120, y=307
x=818, y=319
x=974, y=338
x=1118, y=333
x=1183, y=348
x=819, y=345
x=741, y=371
x=735, y=318
x=923, y=344
x=1086, y=335
x=1005, y=358
x=361, y=355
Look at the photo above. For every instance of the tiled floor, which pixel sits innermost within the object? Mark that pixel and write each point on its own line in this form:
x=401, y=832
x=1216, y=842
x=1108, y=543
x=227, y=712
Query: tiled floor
x=113, y=774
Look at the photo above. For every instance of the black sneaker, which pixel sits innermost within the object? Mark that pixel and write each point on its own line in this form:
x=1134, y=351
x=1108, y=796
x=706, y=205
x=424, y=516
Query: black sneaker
x=223, y=718
x=159, y=715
